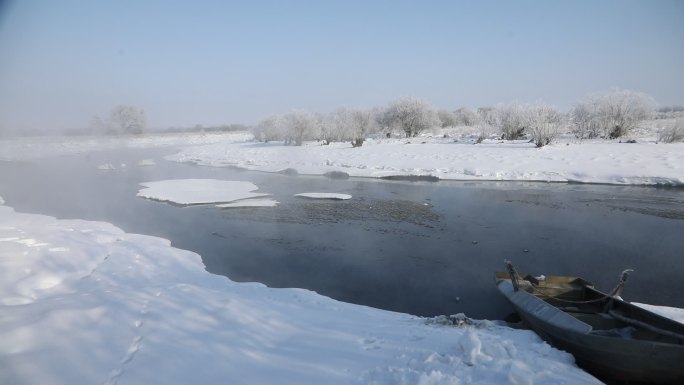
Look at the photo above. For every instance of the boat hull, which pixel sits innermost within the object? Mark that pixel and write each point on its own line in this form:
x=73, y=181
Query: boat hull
x=607, y=357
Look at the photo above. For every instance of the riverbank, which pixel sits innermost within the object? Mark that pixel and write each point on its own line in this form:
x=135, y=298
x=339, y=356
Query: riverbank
x=609, y=162
x=84, y=302
x=443, y=154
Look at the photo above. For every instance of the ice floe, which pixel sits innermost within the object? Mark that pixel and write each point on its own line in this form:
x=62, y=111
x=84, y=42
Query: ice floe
x=198, y=191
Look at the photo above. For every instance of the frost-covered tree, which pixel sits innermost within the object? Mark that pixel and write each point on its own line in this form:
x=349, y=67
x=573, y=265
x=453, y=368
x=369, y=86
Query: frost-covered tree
x=128, y=119
x=510, y=119
x=672, y=131
x=447, y=118
x=269, y=129
x=616, y=113
x=384, y=119
x=300, y=126
x=466, y=117
x=97, y=126
x=337, y=126
x=485, y=123
x=362, y=123
x=412, y=116
x=543, y=123
x=585, y=122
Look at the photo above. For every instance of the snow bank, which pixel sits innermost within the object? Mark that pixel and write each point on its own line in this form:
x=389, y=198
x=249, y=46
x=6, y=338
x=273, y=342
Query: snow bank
x=85, y=303
x=598, y=162
x=315, y=195
x=12, y=149
x=198, y=191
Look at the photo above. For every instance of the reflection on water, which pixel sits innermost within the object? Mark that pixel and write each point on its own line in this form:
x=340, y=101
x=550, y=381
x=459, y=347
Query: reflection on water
x=424, y=248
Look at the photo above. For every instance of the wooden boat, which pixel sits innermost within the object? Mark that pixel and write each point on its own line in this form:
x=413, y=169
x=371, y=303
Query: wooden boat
x=608, y=337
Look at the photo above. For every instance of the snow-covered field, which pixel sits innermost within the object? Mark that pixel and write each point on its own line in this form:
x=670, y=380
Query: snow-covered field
x=454, y=157
x=644, y=163
x=84, y=302
x=26, y=148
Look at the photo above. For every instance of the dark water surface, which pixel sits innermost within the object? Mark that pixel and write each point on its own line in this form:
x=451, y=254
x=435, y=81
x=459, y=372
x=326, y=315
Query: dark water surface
x=422, y=248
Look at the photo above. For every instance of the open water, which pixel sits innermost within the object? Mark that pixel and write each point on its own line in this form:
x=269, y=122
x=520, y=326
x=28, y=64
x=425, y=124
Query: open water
x=424, y=248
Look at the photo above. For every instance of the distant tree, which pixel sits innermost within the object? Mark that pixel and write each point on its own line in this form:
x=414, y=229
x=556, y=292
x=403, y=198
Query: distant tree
x=485, y=123
x=128, y=119
x=97, y=126
x=447, y=118
x=269, y=129
x=412, y=116
x=466, y=117
x=543, y=123
x=384, y=119
x=618, y=112
x=585, y=121
x=510, y=119
x=672, y=132
x=336, y=126
x=669, y=112
x=362, y=123
x=299, y=126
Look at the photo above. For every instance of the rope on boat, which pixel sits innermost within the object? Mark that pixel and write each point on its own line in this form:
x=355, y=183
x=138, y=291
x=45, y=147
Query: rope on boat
x=616, y=291
x=646, y=326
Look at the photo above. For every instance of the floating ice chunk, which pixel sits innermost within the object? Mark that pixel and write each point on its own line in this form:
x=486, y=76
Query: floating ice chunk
x=198, y=191
x=314, y=195
x=250, y=203
x=147, y=162
x=106, y=166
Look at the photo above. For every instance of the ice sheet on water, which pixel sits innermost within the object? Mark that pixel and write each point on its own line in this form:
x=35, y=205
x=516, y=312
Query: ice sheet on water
x=250, y=203
x=198, y=191
x=316, y=195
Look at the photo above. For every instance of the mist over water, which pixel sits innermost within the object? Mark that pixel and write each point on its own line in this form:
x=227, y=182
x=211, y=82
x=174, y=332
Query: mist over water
x=422, y=248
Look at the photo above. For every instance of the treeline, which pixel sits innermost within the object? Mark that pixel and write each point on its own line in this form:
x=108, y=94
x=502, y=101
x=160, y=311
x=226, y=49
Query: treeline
x=609, y=115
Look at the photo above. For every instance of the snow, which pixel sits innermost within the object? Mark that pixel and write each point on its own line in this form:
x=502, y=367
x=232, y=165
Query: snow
x=147, y=162
x=316, y=195
x=250, y=203
x=665, y=311
x=643, y=163
x=27, y=148
x=85, y=303
x=106, y=167
x=198, y=191
x=596, y=161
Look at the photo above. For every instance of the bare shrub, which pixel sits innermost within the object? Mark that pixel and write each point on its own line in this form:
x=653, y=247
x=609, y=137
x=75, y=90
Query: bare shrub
x=543, y=124
x=614, y=113
x=466, y=117
x=673, y=132
x=510, y=119
x=447, y=118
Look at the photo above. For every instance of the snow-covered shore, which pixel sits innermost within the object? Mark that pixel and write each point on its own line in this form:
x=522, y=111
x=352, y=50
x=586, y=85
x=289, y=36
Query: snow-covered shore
x=27, y=148
x=611, y=162
x=85, y=303
x=599, y=161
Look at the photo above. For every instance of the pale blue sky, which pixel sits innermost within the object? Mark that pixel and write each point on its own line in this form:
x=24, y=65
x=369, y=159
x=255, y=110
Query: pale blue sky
x=214, y=62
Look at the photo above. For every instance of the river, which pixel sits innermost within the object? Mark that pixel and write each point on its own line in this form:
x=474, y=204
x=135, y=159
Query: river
x=424, y=248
